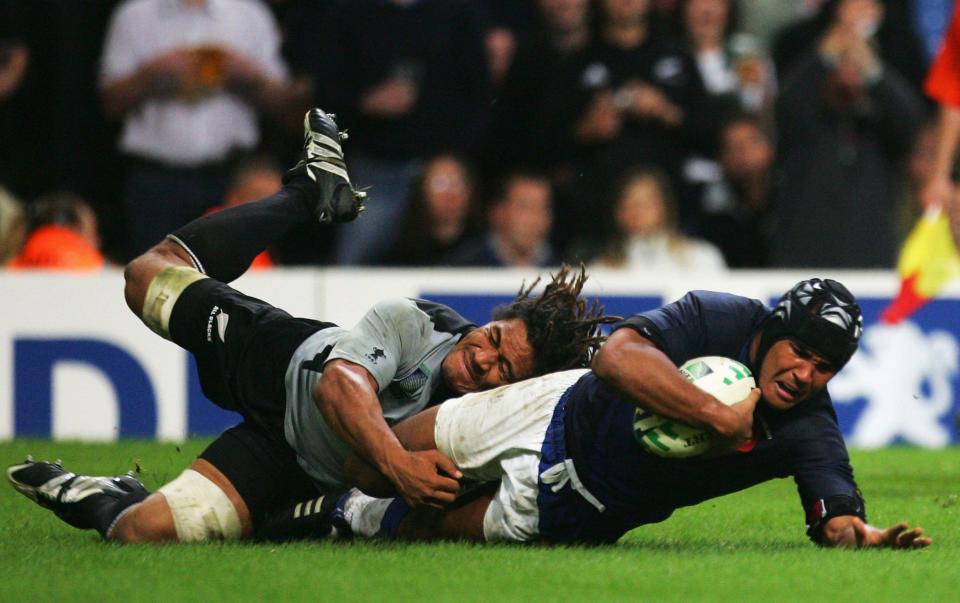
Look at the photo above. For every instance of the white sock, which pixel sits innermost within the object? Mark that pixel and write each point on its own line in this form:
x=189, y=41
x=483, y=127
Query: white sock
x=365, y=513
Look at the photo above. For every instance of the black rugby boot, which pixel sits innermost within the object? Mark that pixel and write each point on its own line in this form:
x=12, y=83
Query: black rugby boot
x=76, y=499
x=323, y=168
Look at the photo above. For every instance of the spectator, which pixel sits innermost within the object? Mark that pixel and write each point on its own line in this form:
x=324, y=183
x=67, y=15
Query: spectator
x=13, y=226
x=737, y=76
x=409, y=80
x=647, y=237
x=630, y=98
x=63, y=236
x=14, y=63
x=14, y=54
x=520, y=220
x=440, y=216
x=766, y=18
x=738, y=216
x=735, y=72
x=188, y=77
x=254, y=179
x=520, y=134
x=892, y=31
x=846, y=120
x=507, y=25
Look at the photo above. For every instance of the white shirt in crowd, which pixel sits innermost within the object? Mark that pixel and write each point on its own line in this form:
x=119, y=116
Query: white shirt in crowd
x=179, y=132
x=663, y=253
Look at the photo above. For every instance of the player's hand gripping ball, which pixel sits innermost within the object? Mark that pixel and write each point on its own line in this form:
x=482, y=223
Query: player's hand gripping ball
x=725, y=379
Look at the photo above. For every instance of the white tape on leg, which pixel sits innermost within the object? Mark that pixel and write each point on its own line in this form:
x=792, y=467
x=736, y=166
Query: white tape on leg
x=201, y=510
x=162, y=295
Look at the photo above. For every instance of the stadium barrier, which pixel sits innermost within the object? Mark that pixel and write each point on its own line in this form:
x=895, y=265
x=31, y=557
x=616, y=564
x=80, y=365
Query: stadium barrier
x=76, y=364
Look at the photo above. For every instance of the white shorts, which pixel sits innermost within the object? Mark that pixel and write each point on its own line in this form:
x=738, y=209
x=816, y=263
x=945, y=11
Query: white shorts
x=498, y=435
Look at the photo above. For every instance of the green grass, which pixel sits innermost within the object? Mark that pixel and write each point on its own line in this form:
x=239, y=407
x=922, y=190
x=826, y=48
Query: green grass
x=745, y=547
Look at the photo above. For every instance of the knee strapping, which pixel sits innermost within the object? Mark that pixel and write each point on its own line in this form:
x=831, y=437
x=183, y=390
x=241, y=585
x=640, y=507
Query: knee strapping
x=201, y=510
x=162, y=295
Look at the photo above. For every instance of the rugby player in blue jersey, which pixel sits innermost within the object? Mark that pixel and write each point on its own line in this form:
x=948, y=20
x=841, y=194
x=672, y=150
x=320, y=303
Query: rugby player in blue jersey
x=570, y=469
x=310, y=393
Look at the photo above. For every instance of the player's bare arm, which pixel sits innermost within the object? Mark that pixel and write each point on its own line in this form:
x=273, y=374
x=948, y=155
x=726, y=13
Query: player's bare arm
x=636, y=368
x=346, y=395
x=939, y=189
x=849, y=531
x=414, y=433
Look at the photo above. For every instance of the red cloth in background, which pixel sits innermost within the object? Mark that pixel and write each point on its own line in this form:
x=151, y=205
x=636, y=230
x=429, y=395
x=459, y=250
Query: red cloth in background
x=57, y=248
x=943, y=80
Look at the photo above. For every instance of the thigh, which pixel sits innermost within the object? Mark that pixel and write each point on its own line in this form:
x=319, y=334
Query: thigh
x=417, y=432
x=479, y=431
x=260, y=468
x=242, y=347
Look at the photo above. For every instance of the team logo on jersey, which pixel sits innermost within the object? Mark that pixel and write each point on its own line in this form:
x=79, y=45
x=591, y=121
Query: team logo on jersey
x=411, y=385
x=905, y=376
x=219, y=317
x=376, y=355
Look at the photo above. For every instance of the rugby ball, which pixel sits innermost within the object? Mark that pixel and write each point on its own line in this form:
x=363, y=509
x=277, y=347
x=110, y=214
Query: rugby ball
x=727, y=380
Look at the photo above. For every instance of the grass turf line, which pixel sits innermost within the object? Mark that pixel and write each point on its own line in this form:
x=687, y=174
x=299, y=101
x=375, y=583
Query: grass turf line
x=746, y=547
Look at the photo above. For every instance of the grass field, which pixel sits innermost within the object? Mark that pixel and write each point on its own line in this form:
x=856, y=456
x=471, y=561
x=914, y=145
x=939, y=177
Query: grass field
x=746, y=547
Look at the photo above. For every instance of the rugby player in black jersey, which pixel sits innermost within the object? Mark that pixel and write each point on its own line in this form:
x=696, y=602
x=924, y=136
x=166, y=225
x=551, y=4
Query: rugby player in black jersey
x=309, y=392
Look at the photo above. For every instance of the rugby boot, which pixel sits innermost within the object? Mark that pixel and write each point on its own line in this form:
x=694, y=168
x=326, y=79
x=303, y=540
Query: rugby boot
x=315, y=519
x=53, y=487
x=322, y=164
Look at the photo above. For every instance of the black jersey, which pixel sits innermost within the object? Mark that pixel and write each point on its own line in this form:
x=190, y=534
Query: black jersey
x=638, y=487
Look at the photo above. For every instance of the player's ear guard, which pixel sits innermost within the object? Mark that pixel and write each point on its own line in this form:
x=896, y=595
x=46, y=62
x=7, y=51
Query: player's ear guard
x=822, y=314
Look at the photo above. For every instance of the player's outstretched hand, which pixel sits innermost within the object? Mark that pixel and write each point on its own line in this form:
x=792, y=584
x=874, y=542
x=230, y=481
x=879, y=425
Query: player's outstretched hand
x=851, y=531
x=898, y=536
x=426, y=478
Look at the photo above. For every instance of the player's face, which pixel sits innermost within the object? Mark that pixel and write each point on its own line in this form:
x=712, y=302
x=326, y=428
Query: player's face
x=489, y=356
x=791, y=373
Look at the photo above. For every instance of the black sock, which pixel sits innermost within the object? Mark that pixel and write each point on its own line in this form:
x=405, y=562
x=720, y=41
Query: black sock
x=225, y=243
x=103, y=509
x=309, y=519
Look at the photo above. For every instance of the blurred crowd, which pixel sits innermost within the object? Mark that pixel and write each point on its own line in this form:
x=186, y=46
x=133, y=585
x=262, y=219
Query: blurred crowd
x=693, y=135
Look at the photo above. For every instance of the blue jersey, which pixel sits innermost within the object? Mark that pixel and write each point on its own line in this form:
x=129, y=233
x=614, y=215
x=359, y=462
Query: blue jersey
x=638, y=487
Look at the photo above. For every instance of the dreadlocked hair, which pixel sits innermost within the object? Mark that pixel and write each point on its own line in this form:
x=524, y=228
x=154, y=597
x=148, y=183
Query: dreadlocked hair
x=563, y=330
